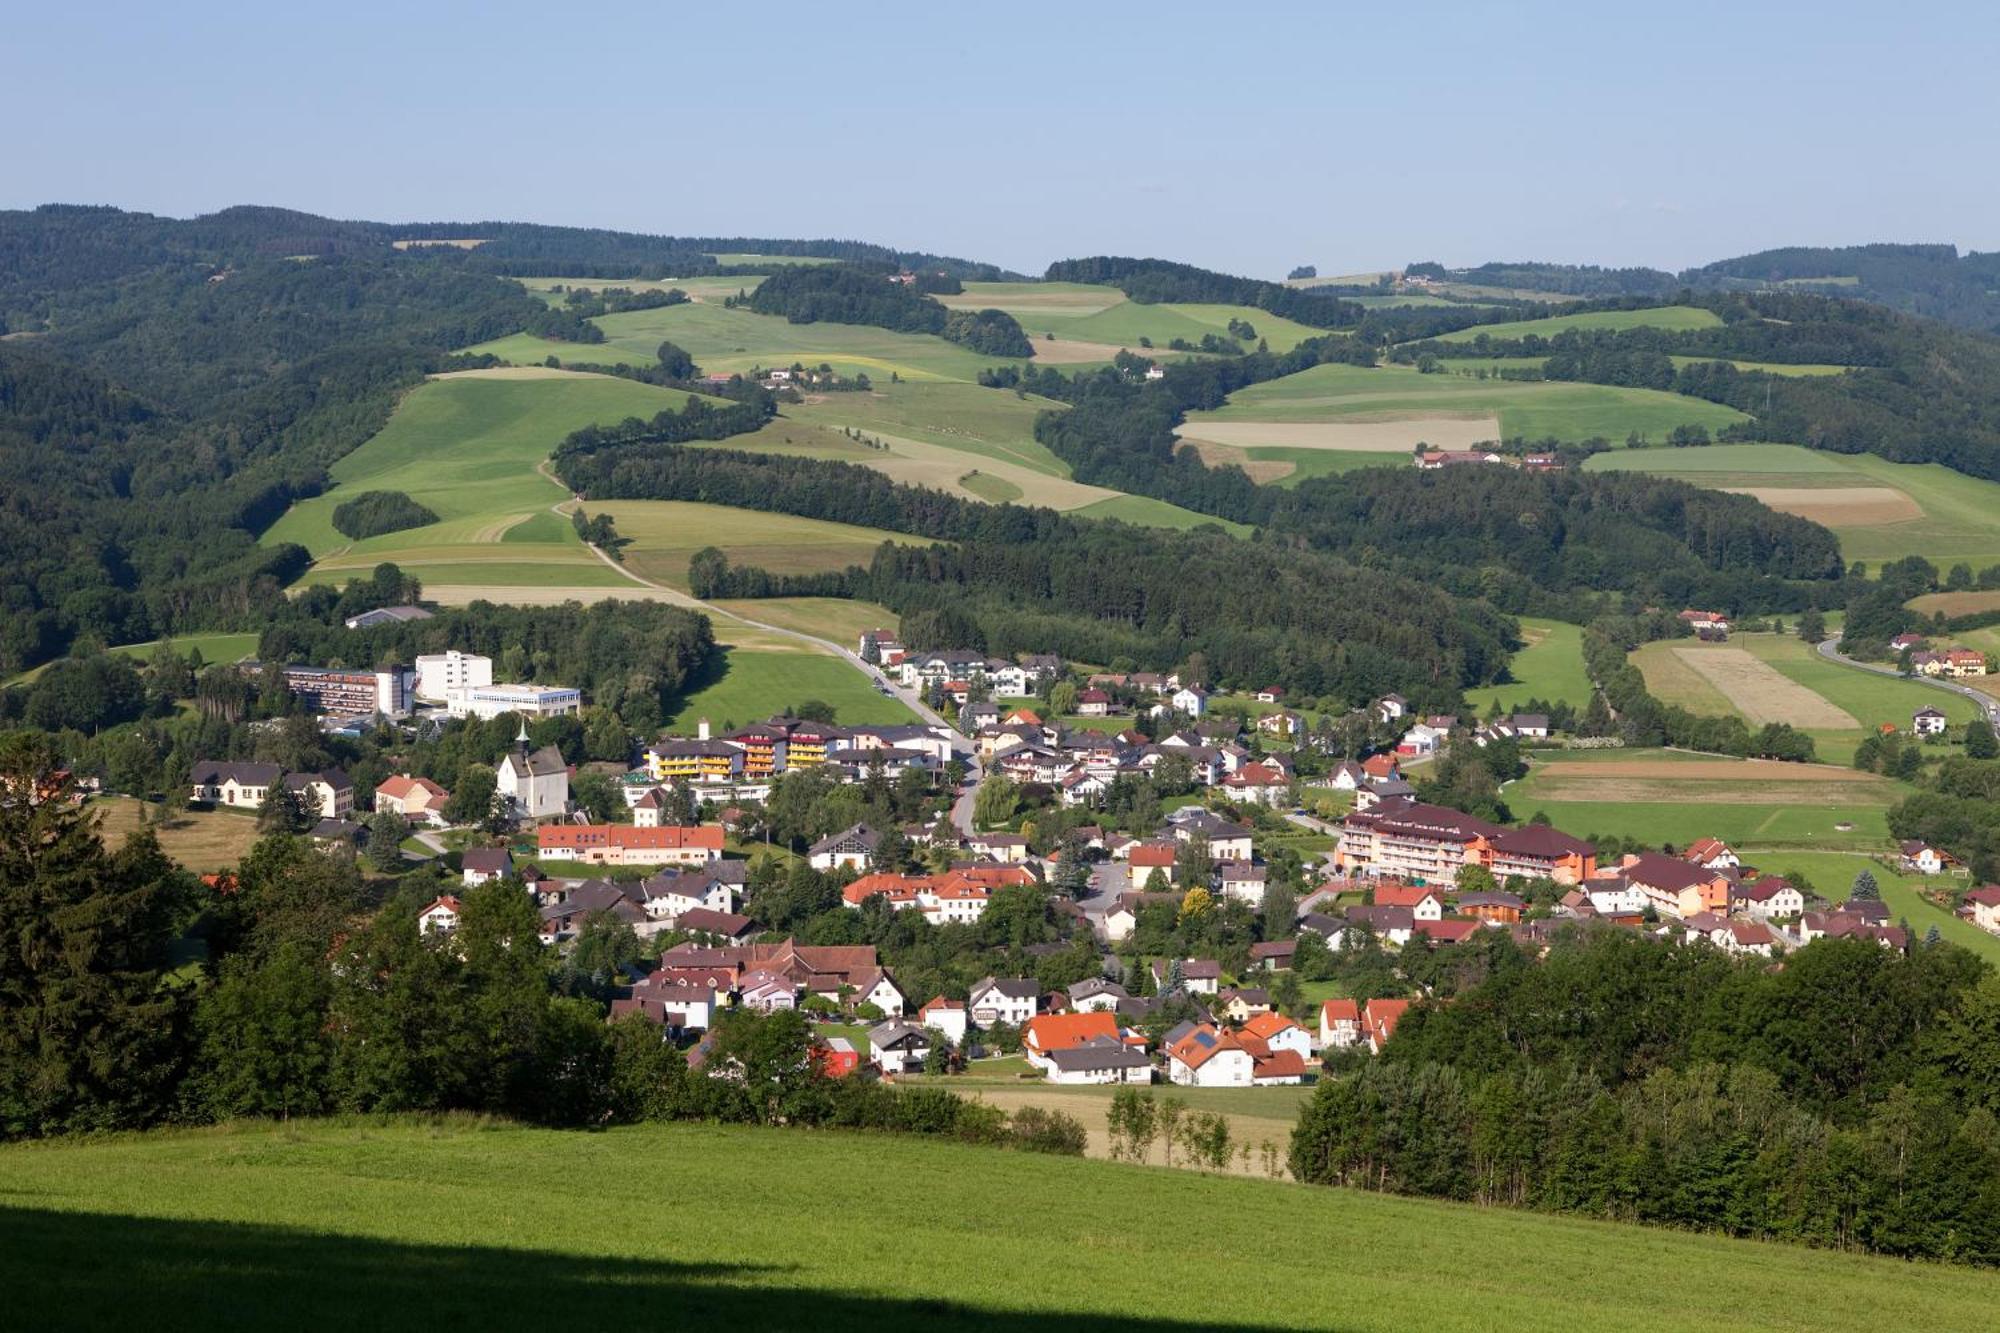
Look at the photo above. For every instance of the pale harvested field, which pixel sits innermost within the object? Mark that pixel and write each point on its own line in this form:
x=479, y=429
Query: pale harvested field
x=1957, y=603
x=1068, y=352
x=1700, y=770
x=201, y=840
x=1760, y=693
x=520, y=373
x=1254, y=1130
x=1845, y=506
x=1349, y=436
x=938, y=466
x=1228, y=455
x=463, y=594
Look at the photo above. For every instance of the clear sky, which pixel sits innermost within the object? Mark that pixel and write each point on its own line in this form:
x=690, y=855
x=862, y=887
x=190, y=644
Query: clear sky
x=1245, y=136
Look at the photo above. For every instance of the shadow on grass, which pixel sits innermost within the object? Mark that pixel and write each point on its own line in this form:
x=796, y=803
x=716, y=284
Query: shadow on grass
x=67, y=1270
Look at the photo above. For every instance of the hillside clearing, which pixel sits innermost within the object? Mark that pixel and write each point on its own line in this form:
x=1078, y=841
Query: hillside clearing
x=1759, y=693
x=1397, y=436
x=662, y=535
x=1549, y=667
x=386, y=1225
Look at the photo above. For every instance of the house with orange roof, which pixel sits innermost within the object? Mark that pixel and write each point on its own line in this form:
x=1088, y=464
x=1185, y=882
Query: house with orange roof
x=1085, y=1047
x=1425, y=904
x=947, y=1016
x=1209, y=1057
x=1280, y=1033
x=1339, y=1024
x=418, y=800
x=1378, y=1021
x=627, y=845
x=441, y=917
x=1147, y=857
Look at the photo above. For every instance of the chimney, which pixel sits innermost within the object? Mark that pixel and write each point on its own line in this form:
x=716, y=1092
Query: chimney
x=701, y=730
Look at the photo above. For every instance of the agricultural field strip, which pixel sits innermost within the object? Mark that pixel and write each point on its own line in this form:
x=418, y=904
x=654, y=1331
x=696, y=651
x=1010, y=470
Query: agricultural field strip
x=1760, y=693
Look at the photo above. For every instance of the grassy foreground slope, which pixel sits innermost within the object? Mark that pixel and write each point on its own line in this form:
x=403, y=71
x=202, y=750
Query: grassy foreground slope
x=421, y=1227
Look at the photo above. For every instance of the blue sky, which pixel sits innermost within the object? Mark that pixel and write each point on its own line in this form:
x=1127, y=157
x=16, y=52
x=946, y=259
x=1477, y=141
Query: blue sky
x=1249, y=137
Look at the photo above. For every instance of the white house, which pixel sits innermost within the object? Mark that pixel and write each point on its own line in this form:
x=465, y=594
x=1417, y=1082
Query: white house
x=240, y=786
x=1189, y=699
x=1010, y=1000
x=1098, y=1060
x=1244, y=882
x=1768, y=898
x=1615, y=897
x=850, y=849
x=1208, y=1057
x=1928, y=722
x=1095, y=994
x=1339, y=1023
x=879, y=989
x=440, y=918
x=1280, y=1033
x=946, y=1016
x=1923, y=858
x=898, y=1047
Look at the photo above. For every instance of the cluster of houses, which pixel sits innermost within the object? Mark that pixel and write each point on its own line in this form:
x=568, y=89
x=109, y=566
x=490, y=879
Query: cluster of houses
x=1947, y=663
x=742, y=765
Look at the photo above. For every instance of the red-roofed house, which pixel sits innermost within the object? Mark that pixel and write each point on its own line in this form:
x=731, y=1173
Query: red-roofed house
x=1425, y=904
x=1210, y=1057
x=1379, y=1019
x=1258, y=784
x=441, y=917
x=624, y=844
x=1339, y=1023
x=1984, y=907
x=418, y=800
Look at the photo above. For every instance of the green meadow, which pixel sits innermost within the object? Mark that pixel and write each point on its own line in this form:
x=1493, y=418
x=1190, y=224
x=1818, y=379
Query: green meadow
x=1890, y=510
x=1832, y=875
x=1338, y=393
x=1080, y=312
x=754, y=679
x=662, y=535
x=468, y=447
x=1144, y=511
x=1549, y=667
x=395, y=1225
x=1672, y=318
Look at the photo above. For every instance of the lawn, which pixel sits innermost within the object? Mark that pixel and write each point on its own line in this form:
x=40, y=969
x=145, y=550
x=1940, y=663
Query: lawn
x=463, y=1223
x=215, y=648
x=1890, y=510
x=1549, y=668
x=1079, y=312
x=747, y=684
x=663, y=534
x=1662, y=797
x=468, y=447
x=1425, y=406
x=986, y=424
x=1144, y=511
x=201, y=840
x=834, y=618
x=1673, y=318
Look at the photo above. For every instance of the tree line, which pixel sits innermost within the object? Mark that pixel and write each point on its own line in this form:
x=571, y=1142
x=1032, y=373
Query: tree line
x=1844, y=1100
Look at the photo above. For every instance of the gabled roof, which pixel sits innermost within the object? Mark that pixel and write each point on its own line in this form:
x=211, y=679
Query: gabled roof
x=1054, y=1032
x=1340, y=1011
x=1014, y=988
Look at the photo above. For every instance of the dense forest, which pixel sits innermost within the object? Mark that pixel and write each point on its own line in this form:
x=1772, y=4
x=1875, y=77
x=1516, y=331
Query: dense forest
x=372, y=513
x=1845, y=1099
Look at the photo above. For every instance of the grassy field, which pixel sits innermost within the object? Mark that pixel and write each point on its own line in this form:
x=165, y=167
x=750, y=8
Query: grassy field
x=1673, y=797
x=1549, y=668
x=833, y=618
x=1673, y=671
x=1145, y=511
x=1672, y=318
x=1880, y=510
x=1082, y=313
x=664, y=534
x=405, y=1225
x=221, y=647
x=990, y=424
x=754, y=678
x=723, y=340
x=201, y=840
x=1390, y=409
x=468, y=446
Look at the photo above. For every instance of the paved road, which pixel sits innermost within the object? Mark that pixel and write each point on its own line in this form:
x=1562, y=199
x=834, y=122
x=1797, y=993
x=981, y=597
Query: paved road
x=1830, y=650
x=961, y=810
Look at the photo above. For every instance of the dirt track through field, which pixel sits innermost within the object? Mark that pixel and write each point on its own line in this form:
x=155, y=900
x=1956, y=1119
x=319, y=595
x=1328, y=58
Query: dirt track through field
x=498, y=529
x=1760, y=693
x=1837, y=506
x=1349, y=436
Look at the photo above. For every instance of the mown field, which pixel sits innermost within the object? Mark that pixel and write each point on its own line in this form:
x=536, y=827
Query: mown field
x=1673, y=318
x=759, y=675
x=1102, y=320
x=834, y=618
x=1665, y=796
x=467, y=447
x=1881, y=511
x=1390, y=409
x=1549, y=668
x=223, y=647
x=461, y=1224
x=662, y=535
x=201, y=840
x=1779, y=678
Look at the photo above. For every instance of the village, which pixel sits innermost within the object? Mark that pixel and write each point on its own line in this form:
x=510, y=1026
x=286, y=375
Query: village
x=1310, y=859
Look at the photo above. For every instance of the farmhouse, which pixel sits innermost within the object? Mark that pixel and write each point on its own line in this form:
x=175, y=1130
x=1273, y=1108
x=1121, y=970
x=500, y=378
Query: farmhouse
x=1923, y=859
x=239, y=786
x=1928, y=722
x=1768, y=898
x=1982, y=906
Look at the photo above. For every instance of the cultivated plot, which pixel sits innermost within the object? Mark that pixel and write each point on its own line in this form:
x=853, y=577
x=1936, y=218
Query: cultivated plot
x=661, y=536
x=1673, y=318
x=1759, y=693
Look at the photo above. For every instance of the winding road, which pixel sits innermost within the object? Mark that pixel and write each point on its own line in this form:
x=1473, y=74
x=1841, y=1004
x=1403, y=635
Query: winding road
x=1989, y=706
x=961, y=809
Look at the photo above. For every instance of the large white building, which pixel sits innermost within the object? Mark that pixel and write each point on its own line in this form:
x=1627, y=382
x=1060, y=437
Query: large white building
x=537, y=783
x=490, y=701
x=438, y=674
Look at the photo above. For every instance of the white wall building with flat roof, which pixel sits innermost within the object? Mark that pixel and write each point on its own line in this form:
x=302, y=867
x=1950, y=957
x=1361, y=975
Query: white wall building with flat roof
x=490, y=701
x=438, y=674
